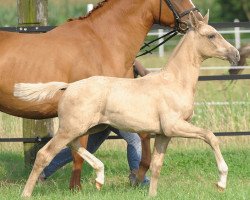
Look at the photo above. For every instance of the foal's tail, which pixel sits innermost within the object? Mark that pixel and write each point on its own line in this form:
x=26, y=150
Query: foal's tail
x=39, y=91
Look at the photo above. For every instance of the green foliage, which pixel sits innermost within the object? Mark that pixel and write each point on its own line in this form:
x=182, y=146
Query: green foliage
x=59, y=13
x=225, y=10
x=232, y=9
x=8, y=15
x=213, y=6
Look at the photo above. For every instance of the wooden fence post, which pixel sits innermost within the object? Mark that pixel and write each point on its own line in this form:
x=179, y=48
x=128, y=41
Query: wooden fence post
x=30, y=13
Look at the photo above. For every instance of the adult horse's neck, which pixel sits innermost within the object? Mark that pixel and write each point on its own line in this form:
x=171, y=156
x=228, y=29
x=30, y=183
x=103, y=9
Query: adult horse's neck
x=185, y=62
x=121, y=25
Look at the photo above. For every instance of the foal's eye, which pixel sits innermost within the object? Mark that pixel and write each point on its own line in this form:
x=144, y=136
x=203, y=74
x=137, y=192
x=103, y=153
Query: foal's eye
x=211, y=36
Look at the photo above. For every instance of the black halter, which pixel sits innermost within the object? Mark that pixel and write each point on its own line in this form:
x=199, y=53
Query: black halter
x=180, y=26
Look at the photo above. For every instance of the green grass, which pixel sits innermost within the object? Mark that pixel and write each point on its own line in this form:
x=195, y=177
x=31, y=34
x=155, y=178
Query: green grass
x=186, y=174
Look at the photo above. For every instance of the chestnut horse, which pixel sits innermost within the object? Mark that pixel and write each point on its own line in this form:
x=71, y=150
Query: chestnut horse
x=104, y=42
x=164, y=105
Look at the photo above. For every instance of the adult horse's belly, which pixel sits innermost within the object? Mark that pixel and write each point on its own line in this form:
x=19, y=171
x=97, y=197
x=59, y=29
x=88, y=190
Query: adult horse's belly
x=33, y=64
x=11, y=74
x=32, y=110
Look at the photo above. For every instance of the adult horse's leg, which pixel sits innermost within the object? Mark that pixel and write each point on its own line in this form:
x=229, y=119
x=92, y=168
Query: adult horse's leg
x=160, y=146
x=145, y=157
x=44, y=156
x=92, y=160
x=75, y=180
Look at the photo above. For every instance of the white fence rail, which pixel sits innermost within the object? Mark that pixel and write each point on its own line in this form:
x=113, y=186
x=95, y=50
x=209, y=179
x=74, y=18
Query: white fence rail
x=210, y=68
x=237, y=31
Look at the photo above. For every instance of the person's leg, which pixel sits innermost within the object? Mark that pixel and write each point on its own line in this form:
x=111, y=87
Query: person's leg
x=133, y=154
x=133, y=149
x=61, y=159
x=65, y=156
x=95, y=140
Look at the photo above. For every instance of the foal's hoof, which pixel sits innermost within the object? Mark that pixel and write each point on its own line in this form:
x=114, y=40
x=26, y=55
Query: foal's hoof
x=25, y=195
x=98, y=185
x=220, y=187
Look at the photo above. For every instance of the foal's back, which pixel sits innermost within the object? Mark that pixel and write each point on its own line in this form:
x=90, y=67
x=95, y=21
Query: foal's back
x=109, y=100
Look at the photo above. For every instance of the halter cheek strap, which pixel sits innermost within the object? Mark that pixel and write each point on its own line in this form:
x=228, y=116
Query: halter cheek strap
x=159, y=20
x=180, y=25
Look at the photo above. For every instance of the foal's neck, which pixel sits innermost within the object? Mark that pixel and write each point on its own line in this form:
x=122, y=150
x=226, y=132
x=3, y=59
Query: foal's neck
x=185, y=62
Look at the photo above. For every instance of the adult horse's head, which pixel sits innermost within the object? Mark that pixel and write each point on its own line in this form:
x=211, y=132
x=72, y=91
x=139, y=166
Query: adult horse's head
x=210, y=43
x=178, y=17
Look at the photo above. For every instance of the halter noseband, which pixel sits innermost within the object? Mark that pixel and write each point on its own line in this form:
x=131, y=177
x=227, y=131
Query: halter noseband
x=180, y=25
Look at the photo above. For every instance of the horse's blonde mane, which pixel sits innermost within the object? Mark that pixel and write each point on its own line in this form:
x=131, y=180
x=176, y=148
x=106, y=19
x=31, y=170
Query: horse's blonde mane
x=99, y=5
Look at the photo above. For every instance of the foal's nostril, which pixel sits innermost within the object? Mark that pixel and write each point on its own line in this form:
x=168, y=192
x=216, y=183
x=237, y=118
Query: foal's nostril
x=233, y=56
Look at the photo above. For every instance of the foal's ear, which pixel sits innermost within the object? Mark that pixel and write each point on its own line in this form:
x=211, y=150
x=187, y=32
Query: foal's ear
x=194, y=22
x=206, y=18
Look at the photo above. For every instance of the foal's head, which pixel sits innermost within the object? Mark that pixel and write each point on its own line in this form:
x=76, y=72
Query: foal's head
x=209, y=42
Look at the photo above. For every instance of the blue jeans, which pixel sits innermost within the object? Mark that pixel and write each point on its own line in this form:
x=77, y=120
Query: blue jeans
x=94, y=142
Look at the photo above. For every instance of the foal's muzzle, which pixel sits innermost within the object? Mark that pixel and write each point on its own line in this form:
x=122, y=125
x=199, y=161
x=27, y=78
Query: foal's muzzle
x=233, y=56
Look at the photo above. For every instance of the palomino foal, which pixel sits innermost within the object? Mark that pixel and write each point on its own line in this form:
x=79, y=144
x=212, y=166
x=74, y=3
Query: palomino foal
x=163, y=104
x=31, y=58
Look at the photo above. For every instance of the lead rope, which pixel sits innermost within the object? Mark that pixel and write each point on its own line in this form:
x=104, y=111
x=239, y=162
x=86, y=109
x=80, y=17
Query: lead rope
x=171, y=34
x=159, y=20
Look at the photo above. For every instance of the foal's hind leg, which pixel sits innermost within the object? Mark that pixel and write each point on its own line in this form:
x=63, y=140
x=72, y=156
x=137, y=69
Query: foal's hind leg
x=75, y=180
x=187, y=130
x=145, y=157
x=44, y=156
x=93, y=161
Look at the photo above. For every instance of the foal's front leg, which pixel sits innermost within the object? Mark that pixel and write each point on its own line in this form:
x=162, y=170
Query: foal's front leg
x=161, y=143
x=187, y=130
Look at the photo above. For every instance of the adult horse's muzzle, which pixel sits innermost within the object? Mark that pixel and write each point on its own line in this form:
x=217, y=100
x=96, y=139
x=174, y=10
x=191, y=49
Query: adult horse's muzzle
x=233, y=56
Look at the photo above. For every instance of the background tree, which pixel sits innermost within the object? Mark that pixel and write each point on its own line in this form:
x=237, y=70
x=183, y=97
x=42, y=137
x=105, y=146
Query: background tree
x=231, y=9
x=213, y=6
x=246, y=7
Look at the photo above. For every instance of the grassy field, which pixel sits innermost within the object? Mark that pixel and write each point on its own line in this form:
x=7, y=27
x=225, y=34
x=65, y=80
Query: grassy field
x=186, y=174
